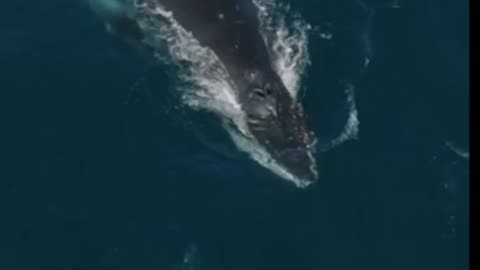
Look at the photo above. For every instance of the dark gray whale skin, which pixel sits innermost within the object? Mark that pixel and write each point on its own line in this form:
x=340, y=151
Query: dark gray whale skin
x=231, y=29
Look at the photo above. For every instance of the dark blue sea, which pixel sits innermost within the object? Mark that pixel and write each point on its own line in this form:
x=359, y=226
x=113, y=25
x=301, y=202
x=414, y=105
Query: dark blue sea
x=97, y=172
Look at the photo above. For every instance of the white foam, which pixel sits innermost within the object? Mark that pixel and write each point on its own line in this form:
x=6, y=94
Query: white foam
x=465, y=154
x=208, y=84
x=351, y=128
x=288, y=42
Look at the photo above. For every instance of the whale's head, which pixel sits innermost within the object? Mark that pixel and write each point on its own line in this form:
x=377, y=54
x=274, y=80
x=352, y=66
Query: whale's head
x=277, y=121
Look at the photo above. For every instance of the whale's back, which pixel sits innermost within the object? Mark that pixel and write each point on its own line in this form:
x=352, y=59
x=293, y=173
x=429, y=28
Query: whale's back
x=229, y=27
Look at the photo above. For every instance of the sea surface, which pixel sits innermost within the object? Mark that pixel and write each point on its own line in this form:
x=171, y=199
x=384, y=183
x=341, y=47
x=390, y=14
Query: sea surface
x=100, y=170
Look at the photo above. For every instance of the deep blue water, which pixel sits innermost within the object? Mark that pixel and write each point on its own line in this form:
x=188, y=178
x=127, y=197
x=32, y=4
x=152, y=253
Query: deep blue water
x=95, y=178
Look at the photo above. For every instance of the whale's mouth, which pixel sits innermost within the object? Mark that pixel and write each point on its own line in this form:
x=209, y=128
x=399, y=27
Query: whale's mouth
x=299, y=162
x=297, y=165
x=293, y=152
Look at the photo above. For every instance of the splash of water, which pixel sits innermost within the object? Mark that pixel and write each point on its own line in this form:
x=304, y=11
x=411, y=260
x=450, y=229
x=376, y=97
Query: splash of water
x=205, y=80
x=465, y=154
x=287, y=41
x=351, y=128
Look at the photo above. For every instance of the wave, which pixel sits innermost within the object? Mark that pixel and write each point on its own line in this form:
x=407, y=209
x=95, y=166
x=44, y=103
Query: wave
x=465, y=154
x=352, y=126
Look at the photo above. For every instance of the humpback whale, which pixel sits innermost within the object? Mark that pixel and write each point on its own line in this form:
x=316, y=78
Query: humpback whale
x=275, y=120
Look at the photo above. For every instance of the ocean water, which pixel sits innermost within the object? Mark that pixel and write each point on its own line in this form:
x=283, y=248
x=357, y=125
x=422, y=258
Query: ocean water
x=102, y=170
